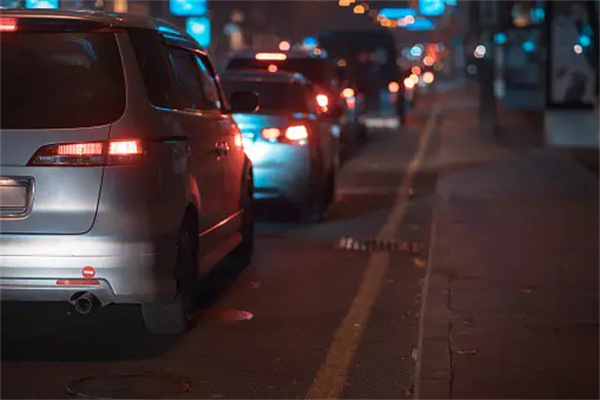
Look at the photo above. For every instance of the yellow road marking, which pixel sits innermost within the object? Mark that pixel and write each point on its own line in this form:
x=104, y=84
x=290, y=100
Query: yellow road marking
x=331, y=377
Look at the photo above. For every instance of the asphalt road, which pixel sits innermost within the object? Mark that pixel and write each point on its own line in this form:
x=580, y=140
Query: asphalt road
x=324, y=320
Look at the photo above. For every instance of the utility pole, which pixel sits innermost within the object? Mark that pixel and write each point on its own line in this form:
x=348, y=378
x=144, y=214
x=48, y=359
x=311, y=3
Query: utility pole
x=487, y=99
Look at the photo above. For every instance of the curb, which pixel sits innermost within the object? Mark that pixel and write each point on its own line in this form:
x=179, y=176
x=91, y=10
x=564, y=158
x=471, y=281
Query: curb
x=433, y=371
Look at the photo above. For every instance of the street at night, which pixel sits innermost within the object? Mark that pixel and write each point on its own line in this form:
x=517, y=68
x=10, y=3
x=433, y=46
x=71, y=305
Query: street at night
x=305, y=227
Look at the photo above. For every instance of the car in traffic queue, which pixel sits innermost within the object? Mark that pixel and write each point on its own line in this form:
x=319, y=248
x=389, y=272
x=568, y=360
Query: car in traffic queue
x=315, y=65
x=123, y=176
x=291, y=143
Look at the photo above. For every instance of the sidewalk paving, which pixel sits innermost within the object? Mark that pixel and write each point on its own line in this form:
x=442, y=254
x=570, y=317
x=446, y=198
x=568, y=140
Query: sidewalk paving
x=511, y=295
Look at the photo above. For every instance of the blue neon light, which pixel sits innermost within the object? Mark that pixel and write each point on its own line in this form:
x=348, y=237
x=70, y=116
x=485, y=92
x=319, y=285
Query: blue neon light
x=528, y=46
x=416, y=51
x=432, y=8
x=451, y=2
x=47, y=4
x=537, y=15
x=421, y=24
x=585, y=40
x=500, y=38
x=199, y=29
x=397, y=13
x=310, y=41
x=188, y=7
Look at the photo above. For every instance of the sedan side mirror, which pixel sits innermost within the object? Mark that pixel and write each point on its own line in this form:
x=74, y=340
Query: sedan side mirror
x=243, y=102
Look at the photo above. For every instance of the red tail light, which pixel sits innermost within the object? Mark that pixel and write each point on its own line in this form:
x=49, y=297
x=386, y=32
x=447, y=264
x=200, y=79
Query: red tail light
x=322, y=101
x=298, y=132
x=8, y=24
x=89, y=154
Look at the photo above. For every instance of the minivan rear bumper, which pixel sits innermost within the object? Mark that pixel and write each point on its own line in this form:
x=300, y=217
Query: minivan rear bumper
x=51, y=268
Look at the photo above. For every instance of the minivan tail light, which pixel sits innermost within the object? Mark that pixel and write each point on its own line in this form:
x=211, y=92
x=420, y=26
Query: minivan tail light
x=8, y=24
x=124, y=147
x=89, y=154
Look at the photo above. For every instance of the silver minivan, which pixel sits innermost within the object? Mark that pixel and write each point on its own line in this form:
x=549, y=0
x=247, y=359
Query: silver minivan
x=123, y=177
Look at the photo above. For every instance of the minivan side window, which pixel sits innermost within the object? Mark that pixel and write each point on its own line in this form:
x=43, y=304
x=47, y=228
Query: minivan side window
x=189, y=82
x=208, y=82
x=154, y=66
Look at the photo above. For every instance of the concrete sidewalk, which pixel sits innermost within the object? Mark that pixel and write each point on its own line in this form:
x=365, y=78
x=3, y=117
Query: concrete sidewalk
x=510, y=304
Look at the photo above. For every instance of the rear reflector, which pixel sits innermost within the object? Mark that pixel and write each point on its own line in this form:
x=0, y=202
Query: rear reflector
x=8, y=24
x=89, y=154
x=78, y=282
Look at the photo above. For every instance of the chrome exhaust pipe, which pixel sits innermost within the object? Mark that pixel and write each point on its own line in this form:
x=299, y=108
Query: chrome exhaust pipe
x=85, y=303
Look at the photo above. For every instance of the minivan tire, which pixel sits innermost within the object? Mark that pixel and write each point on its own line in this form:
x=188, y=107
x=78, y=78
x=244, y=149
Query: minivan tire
x=170, y=317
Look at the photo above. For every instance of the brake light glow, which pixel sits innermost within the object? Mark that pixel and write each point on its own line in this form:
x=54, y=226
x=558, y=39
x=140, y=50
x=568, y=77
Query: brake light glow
x=124, y=148
x=393, y=87
x=322, y=100
x=89, y=154
x=270, y=56
x=409, y=83
x=8, y=24
x=348, y=92
x=272, y=68
x=416, y=70
x=271, y=133
x=238, y=140
x=298, y=132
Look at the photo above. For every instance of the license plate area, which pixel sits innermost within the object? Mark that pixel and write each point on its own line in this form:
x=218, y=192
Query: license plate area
x=16, y=195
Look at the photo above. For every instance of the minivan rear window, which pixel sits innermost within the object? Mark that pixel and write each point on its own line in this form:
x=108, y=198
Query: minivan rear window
x=60, y=80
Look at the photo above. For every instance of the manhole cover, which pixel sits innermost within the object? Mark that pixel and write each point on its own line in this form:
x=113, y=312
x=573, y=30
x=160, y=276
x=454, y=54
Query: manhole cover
x=128, y=386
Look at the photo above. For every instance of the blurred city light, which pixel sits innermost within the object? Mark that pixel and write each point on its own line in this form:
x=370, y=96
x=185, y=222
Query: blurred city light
x=428, y=77
x=47, y=4
x=414, y=78
x=428, y=61
x=345, y=3
x=585, y=40
x=188, y=7
x=397, y=13
x=500, y=38
x=415, y=70
x=348, y=92
x=359, y=9
x=578, y=49
x=284, y=45
x=393, y=87
x=528, y=46
x=416, y=50
x=409, y=83
x=438, y=65
x=420, y=24
x=451, y=2
x=310, y=42
x=537, y=15
x=409, y=19
x=432, y=8
x=199, y=29
x=480, y=51
x=272, y=68
x=341, y=63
